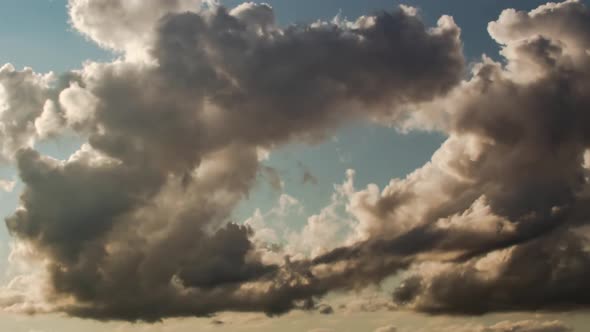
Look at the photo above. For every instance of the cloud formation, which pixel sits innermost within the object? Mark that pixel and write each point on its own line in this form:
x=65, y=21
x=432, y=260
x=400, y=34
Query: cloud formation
x=136, y=225
x=521, y=168
x=22, y=98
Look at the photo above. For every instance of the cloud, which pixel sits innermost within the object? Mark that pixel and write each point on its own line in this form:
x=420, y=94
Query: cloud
x=324, y=231
x=506, y=281
x=29, y=111
x=138, y=230
x=504, y=195
x=527, y=164
x=50, y=122
x=137, y=224
x=123, y=25
x=22, y=95
x=7, y=186
x=566, y=21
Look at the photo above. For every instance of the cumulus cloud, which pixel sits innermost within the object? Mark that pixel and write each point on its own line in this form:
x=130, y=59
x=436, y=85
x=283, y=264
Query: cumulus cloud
x=503, y=281
x=527, y=164
x=22, y=96
x=499, y=206
x=136, y=225
x=332, y=227
x=126, y=26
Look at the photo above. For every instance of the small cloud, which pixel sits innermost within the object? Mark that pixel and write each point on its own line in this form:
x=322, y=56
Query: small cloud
x=7, y=186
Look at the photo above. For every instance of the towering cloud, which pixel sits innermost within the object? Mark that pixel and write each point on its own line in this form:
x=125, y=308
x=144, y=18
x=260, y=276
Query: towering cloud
x=527, y=128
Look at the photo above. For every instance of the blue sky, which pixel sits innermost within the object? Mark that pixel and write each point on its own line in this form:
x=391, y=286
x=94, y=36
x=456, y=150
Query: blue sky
x=37, y=34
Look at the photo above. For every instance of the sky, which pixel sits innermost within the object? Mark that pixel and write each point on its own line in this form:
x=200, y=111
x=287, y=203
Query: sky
x=294, y=166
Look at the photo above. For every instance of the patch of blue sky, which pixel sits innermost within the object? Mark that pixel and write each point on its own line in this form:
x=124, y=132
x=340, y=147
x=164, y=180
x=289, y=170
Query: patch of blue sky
x=378, y=154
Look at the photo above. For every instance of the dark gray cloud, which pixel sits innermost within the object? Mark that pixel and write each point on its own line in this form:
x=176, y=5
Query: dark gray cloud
x=545, y=274
x=221, y=78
